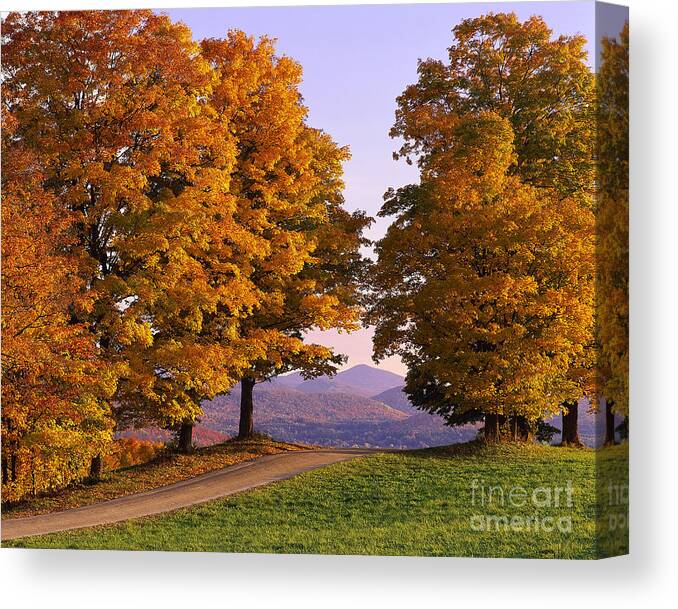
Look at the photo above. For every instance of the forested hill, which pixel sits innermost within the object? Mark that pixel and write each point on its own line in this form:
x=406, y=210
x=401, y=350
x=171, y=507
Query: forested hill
x=332, y=418
x=357, y=407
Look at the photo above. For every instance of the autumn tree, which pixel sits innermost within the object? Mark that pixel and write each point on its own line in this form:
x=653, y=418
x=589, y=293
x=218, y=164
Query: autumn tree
x=518, y=70
x=117, y=110
x=613, y=227
x=287, y=182
x=542, y=86
x=206, y=236
x=193, y=287
x=55, y=384
x=477, y=282
x=198, y=196
x=323, y=294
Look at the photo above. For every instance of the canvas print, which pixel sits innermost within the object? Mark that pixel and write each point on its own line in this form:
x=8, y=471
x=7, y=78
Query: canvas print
x=325, y=280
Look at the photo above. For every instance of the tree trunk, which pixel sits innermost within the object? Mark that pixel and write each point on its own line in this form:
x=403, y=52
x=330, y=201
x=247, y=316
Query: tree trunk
x=623, y=429
x=491, y=427
x=570, y=433
x=609, y=423
x=524, y=430
x=246, y=427
x=96, y=467
x=185, y=444
x=5, y=470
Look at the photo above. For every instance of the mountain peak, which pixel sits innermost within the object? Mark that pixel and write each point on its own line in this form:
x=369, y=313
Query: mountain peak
x=369, y=378
x=361, y=379
x=367, y=369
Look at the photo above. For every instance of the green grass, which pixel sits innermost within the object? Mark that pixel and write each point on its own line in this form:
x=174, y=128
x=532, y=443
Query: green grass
x=414, y=503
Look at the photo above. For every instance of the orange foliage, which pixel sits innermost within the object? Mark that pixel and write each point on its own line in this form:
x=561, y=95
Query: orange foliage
x=613, y=220
x=287, y=181
x=131, y=451
x=484, y=284
x=164, y=201
x=55, y=386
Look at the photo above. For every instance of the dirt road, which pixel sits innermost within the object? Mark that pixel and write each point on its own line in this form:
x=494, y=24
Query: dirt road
x=206, y=487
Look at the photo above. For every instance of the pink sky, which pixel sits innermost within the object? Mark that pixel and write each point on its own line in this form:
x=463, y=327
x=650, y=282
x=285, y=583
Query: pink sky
x=358, y=346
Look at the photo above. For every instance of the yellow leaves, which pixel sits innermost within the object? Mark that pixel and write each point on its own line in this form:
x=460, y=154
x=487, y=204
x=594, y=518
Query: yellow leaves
x=53, y=380
x=254, y=233
x=516, y=70
x=612, y=278
x=327, y=311
x=135, y=333
x=484, y=280
x=180, y=220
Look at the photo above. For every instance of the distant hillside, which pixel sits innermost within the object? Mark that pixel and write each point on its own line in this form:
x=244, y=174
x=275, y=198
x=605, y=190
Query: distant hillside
x=327, y=418
x=332, y=419
x=397, y=398
x=337, y=412
x=591, y=425
x=288, y=380
x=324, y=384
x=369, y=378
x=281, y=404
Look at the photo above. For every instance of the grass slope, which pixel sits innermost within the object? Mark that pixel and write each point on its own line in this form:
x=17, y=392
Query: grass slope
x=415, y=503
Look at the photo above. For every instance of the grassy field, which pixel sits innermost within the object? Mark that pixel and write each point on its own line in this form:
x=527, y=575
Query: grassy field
x=166, y=469
x=466, y=500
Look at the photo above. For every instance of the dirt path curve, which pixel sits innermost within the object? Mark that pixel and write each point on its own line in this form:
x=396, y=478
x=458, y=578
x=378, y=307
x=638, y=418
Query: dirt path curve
x=213, y=485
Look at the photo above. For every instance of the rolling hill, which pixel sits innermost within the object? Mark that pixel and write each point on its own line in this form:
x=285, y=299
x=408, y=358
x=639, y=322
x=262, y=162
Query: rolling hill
x=369, y=378
x=361, y=406
x=329, y=385
x=396, y=398
x=282, y=404
x=331, y=419
x=413, y=503
x=327, y=411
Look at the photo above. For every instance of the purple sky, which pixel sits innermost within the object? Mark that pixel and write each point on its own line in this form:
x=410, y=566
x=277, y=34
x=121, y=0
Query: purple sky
x=356, y=60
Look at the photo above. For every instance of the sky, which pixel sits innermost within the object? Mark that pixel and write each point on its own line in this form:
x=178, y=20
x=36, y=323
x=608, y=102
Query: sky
x=356, y=60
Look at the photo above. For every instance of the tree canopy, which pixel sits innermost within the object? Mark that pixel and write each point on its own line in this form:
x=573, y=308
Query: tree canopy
x=613, y=220
x=484, y=283
x=190, y=221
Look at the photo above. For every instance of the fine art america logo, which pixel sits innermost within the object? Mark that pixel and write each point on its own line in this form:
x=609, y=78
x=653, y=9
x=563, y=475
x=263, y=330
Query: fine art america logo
x=534, y=507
